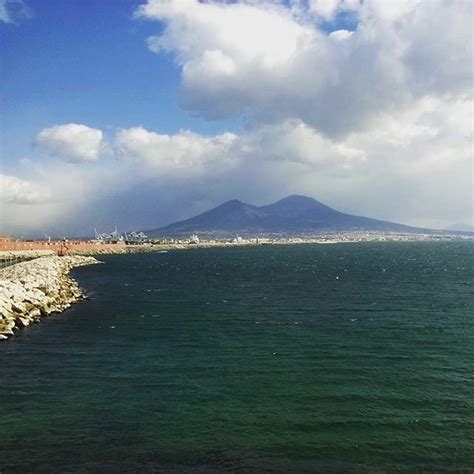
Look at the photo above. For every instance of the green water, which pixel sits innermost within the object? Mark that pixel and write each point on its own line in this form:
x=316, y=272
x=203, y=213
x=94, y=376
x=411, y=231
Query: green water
x=310, y=358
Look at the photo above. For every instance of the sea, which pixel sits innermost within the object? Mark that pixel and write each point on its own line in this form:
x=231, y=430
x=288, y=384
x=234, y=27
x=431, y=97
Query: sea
x=341, y=358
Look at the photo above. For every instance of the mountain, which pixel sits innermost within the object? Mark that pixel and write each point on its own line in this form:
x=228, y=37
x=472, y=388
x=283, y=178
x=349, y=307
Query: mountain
x=293, y=215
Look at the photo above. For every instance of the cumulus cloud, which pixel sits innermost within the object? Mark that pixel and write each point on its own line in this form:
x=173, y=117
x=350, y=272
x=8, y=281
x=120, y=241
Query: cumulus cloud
x=294, y=141
x=270, y=62
x=14, y=190
x=185, y=152
x=72, y=142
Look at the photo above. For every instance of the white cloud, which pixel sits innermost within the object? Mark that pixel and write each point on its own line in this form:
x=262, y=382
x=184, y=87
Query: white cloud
x=340, y=35
x=4, y=16
x=72, y=142
x=13, y=10
x=14, y=190
x=270, y=62
x=185, y=152
x=293, y=141
x=266, y=34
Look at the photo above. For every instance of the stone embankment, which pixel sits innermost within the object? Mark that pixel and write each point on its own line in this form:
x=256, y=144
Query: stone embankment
x=33, y=289
x=26, y=254
x=16, y=256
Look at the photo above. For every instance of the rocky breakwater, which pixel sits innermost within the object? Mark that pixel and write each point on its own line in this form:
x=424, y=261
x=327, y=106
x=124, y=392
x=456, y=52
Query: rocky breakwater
x=33, y=289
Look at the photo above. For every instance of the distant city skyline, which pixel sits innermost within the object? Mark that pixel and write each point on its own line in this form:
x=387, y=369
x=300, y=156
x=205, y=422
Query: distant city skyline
x=139, y=114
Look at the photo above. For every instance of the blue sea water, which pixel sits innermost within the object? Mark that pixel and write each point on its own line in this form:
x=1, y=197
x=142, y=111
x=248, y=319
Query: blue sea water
x=304, y=358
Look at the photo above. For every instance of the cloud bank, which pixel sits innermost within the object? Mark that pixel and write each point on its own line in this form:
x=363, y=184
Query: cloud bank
x=269, y=62
x=22, y=192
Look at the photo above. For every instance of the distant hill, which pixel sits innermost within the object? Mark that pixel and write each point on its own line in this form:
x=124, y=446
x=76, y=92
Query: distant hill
x=293, y=215
x=460, y=228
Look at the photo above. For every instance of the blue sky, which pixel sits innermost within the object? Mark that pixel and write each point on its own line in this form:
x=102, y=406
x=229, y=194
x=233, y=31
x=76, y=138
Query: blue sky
x=138, y=113
x=86, y=62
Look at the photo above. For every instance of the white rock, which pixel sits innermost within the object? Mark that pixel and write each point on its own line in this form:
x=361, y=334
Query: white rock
x=37, y=287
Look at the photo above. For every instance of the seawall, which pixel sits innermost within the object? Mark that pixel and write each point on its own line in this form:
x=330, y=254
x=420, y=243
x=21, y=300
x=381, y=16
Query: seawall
x=33, y=289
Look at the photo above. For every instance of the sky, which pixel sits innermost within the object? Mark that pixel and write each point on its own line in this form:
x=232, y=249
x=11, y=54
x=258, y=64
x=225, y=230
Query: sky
x=139, y=113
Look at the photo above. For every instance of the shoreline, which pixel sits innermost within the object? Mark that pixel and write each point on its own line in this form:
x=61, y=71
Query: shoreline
x=33, y=289
x=21, y=256
x=130, y=249
x=40, y=283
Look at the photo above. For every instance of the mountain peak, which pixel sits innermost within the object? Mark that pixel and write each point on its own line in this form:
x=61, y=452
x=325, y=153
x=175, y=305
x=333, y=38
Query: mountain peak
x=298, y=205
x=232, y=202
x=231, y=206
x=298, y=199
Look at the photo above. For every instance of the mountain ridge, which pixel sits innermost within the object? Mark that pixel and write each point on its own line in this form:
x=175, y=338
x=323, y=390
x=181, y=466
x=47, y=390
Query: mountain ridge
x=293, y=215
